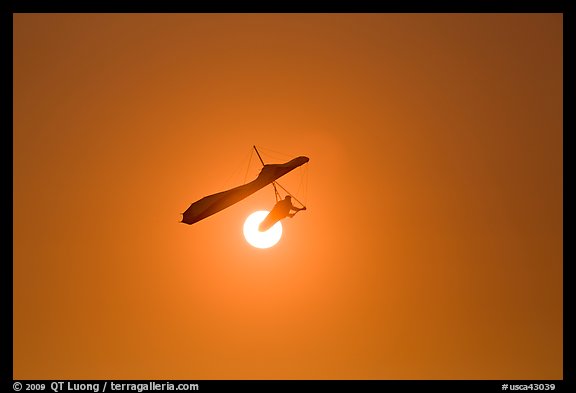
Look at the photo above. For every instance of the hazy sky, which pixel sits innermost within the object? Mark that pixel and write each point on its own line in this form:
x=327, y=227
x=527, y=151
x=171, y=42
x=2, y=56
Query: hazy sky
x=432, y=243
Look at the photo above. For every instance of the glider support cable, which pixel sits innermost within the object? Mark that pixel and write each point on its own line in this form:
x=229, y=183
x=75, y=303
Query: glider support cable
x=288, y=192
x=248, y=167
x=276, y=193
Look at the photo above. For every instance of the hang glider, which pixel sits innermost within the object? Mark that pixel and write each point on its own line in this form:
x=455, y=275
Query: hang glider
x=214, y=203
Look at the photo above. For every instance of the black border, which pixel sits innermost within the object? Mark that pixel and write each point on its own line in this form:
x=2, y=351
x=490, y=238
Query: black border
x=268, y=386
x=371, y=6
x=6, y=89
x=569, y=106
x=363, y=6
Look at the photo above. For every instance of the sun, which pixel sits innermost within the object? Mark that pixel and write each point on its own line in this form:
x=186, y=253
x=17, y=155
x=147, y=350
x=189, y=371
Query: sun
x=259, y=239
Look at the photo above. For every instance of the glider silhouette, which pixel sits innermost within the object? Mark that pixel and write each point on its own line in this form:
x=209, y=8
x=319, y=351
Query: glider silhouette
x=214, y=203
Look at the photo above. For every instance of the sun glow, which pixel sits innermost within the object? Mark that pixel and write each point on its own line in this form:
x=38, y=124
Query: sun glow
x=259, y=239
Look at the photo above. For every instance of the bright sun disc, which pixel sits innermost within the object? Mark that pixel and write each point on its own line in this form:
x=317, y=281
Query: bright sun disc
x=259, y=239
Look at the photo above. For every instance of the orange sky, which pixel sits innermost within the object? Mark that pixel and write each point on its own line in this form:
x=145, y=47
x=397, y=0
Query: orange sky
x=432, y=243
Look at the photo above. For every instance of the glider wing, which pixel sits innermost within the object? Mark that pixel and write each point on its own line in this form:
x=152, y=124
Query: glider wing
x=214, y=203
